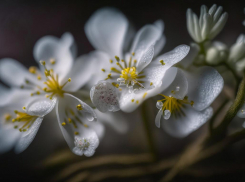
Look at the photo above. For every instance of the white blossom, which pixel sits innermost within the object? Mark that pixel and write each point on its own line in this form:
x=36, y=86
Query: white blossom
x=127, y=78
x=209, y=24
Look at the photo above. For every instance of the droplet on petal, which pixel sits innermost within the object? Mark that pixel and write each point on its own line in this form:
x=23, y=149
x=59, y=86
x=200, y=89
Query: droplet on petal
x=167, y=114
x=159, y=104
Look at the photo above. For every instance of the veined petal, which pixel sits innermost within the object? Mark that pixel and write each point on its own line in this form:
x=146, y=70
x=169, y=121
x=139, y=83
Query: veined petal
x=50, y=48
x=74, y=118
x=41, y=106
x=184, y=125
x=105, y=96
x=155, y=72
x=28, y=136
x=116, y=120
x=14, y=73
x=106, y=30
x=204, y=85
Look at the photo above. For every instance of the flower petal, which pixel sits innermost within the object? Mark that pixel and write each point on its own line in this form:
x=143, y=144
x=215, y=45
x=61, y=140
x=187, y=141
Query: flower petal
x=158, y=118
x=184, y=125
x=162, y=41
x=106, y=30
x=75, y=122
x=204, y=85
x=61, y=50
x=41, y=106
x=155, y=72
x=116, y=120
x=13, y=73
x=188, y=60
x=105, y=96
x=28, y=136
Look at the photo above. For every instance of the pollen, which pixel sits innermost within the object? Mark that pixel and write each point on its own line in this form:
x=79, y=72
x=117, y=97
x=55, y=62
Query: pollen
x=76, y=133
x=63, y=124
x=52, y=61
x=103, y=70
x=137, y=101
x=33, y=69
x=79, y=107
x=144, y=95
x=132, y=100
x=129, y=74
x=151, y=84
x=39, y=77
x=111, y=61
x=24, y=108
x=7, y=117
x=162, y=62
x=115, y=84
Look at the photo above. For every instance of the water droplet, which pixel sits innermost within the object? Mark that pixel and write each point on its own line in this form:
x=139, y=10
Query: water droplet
x=167, y=114
x=159, y=104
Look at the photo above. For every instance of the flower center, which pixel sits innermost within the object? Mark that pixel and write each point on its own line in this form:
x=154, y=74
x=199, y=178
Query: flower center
x=24, y=120
x=52, y=83
x=171, y=105
x=129, y=74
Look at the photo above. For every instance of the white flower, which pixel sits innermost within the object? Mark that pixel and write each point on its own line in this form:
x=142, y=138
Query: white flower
x=19, y=127
x=185, y=103
x=57, y=78
x=216, y=53
x=209, y=24
x=130, y=78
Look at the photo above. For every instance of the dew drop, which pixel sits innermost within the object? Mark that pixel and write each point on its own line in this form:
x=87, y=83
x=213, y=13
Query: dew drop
x=167, y=114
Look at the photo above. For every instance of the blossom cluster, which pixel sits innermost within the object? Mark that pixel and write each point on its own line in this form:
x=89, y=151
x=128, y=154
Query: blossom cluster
x=126, y=68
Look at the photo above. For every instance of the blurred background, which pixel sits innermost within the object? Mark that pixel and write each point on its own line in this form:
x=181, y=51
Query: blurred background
x=22, y=23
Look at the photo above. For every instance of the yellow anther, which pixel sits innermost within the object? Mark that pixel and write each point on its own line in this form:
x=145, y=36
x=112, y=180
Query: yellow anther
x=162, y=62
x=135, y=61
x=20, y=130
x=33, y=69
x=15, y=127
x=63, y=124
x=43, y=63
x=69, y=79
x=24, y=108
x=144, y=94
x=115, y=70
x=132, y=100
x=192, y=103
x=111, y=61
x=133, y=53
x=32, y=94
x=79, y=107
x=172, y=91
x=24, y=130
x=52, y=61
x=22, y=86
x=27, y=81
x=69, y=120
x=118, y=64
x=39, y=77
x=45, y=89
x=38, y=93
x=47, y=73
x=16, y=112
x=115, y=84
x=76, y=133
x=151, y=84
x=47, y=96
x=103, y=70
x=122, y=60
x=129, y=74
x=13, y=120
x=117, y=58
x=7, y=117
x=137, y=101
x=85, y=125
x=108, y=76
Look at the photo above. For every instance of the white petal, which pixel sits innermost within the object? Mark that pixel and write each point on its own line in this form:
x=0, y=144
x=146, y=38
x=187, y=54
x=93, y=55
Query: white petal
x=66, y=108
x=204, y=85
x=219, y=25
x=155, y=71
x=50, y=47
x=188, y=60
x=41, y=106
x=8, y=138
x=105, y=96
x=106, y=30
x=146, y=37
x=28, y=136
x=184, y=125
x=159, y=45
x=190, y=24
x=81, y=72
x=13, y=73
x=116, y=120
x=158, y=118
x=145, y=59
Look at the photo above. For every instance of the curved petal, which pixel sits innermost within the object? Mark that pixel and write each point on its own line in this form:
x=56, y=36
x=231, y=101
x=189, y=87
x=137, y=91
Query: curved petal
x=81, y=72
x=204, y=85
x=106, y=30
x=41, y=106
x=14, y=73
x=158, y=118
x=74, y=118
x=28, y=136
x=116, y=120
x=105, y=96
x=61, y=50
x=155, y=72
x=162, y=41
x=184, y=125
x=188, y=60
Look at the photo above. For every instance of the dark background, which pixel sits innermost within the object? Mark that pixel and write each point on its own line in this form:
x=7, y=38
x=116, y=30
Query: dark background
x=22, y=23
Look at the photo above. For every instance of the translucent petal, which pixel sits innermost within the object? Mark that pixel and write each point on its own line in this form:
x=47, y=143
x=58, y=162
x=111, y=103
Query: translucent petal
x=105, y=96
x=145, y=59
x=204, y=85
x=13, y=73
x=158, y=118
x=41, y=106
x=28, y=136
x=184, y=125
x=106, y=30
x=50, y=47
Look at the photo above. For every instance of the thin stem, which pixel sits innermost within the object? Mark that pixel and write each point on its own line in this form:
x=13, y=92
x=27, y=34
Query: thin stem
x=148, y=130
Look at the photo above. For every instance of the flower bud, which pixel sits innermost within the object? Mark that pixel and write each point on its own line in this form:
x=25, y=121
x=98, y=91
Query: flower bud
x=237, y=51
x=216, y=53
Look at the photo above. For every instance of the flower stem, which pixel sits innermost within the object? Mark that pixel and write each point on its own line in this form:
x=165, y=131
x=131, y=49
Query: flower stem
x=148, y=132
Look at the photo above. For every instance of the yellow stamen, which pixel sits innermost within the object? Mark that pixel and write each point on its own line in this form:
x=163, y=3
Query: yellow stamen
x=115, y=84
x=162, y=62
x=7, y=117
x=144, y=94
x=132, y=100
x=79, y=107
x=33, y=69
x=103, y=70
x=76, y=133
x=52, y=61
x=63, y=124
x=111, y=61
